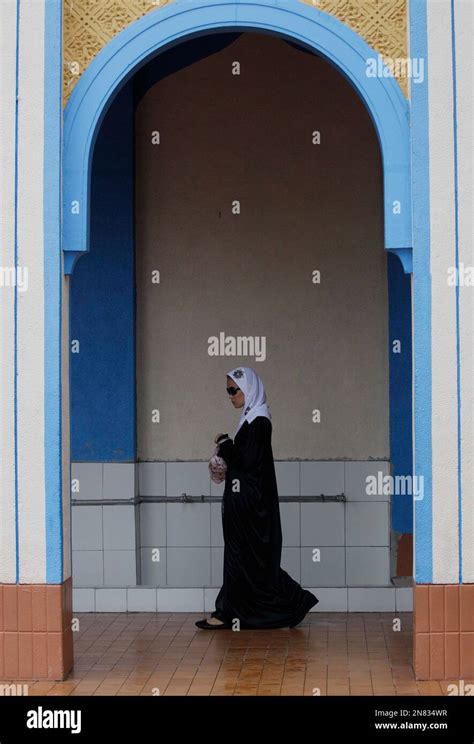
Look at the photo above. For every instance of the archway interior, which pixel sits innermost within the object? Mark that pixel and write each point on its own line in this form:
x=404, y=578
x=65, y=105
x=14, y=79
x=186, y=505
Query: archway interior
x=286, y=142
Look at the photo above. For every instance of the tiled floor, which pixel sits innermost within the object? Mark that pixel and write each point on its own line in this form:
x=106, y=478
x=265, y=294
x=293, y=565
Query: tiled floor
x=165, y=654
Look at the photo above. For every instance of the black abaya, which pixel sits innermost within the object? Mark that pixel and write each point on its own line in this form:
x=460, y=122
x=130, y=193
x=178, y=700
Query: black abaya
x=255, y=590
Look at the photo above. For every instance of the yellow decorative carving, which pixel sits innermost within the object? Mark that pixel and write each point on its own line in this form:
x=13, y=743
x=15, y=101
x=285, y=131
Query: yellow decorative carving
x=90, y=24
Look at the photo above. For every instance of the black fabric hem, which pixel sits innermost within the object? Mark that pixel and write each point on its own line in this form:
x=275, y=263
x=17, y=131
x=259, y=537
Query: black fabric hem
x=310, y=602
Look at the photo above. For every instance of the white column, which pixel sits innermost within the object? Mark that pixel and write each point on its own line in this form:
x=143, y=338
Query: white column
x=8, y=33
x=30, y=316
x=443, y=298
x=464, y=15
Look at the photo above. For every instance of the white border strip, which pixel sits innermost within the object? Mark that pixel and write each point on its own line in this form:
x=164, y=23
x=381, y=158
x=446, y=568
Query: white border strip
x=443, y=328
x=30, y=335
x=8, y=33
x=463, y=16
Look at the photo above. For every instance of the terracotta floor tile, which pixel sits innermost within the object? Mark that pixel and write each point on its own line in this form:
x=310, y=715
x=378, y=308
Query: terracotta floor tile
x=331, y=654
x=250, y=692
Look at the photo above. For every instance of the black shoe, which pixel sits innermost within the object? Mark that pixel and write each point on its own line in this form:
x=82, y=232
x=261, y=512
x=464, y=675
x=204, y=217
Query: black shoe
x=209, y=626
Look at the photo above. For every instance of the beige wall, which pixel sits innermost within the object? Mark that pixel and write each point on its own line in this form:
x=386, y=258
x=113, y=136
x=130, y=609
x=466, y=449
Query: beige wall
x=304, y=207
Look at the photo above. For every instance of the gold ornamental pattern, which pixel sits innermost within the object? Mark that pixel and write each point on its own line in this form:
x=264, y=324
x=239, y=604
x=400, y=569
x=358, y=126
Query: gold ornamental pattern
x=90, y=24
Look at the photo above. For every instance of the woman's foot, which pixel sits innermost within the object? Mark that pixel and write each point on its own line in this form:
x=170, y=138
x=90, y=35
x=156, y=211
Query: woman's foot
x=212, y=622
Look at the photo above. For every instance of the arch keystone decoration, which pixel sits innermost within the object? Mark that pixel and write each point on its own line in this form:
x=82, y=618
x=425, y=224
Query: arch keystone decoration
x=162, y=28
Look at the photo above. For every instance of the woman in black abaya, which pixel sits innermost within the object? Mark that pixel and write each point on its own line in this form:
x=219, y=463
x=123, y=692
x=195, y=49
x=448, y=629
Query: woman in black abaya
x=256, y=591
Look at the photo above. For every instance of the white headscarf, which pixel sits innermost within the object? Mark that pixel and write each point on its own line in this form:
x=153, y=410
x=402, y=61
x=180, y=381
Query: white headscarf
x=255, y=399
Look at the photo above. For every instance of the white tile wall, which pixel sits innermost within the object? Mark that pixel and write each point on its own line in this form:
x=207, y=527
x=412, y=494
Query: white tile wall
x=88, y=567
x=371, y=600
x=367, y=566
x=141, y=599
x=153, y=566
x=217, y=566
x=120, y=567
x=86, y=480
x=367, y=523
x=86, y=527
x=353, y=537
x=217, y=537
x=152, y=524
x=83, y=600
x=322, y=524
x=119, y=480
x=291, y=562
x=330, y=600
x=290, y=523
x=188, y=524
x=151, y=599
x=180, y=600
x=356, y=474
x=404, y=599
x=323, y=568
x=288, y=478
x=119, y=527
x=111, y=600
x=188, y=567
x=187, y=477
x=321, y=478
x=152, y=478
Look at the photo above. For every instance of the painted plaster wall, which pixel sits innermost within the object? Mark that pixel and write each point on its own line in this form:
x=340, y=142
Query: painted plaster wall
x=303, y=207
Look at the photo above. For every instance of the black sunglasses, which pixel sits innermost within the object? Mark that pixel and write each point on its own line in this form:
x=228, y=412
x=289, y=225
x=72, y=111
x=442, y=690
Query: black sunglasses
x=232, y=390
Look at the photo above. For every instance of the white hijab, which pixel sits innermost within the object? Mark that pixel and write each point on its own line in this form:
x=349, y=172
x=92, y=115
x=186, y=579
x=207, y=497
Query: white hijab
x=255, y=398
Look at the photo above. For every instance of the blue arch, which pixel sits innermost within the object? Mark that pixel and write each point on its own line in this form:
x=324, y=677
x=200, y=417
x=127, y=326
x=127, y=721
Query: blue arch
x=162, y=28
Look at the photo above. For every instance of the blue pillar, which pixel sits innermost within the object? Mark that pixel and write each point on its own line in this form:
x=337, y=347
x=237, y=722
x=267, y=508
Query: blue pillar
x=401, y=447
x=103, y=301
